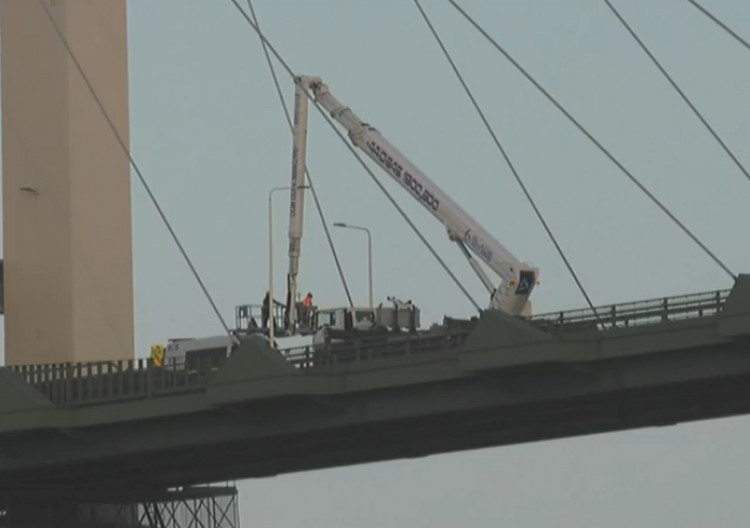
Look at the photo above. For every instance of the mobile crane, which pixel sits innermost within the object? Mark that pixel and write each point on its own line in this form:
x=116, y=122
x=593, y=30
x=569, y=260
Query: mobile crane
x=518, y=278
x=511, y=296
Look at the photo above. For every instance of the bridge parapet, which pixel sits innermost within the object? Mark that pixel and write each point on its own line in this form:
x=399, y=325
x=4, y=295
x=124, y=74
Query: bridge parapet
x=100, y=381
x=513, y=339
x=383, y=347
x=74, y=384
x=624, y=315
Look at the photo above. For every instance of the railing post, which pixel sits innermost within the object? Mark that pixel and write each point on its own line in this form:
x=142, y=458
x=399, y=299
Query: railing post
x=200, y=368
x=56, y=388
x=47, y=385
x=162, y=377
x=90, y=381
x=109, y=379
x=99, y=381
x=148, y=378
x=665, y=308
x=69, y=383
x=79, y=381
x=120, y=379
x=174, y=373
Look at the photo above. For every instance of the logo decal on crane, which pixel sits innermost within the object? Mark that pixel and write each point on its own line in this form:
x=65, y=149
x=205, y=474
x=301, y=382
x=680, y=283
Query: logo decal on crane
x=410, y=182
x=475, y=243
x=525, y=283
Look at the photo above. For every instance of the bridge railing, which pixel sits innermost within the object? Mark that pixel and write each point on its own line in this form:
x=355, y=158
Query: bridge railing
x=104, y=381
x=637, y=313
x=94, y=382
x=376, y=347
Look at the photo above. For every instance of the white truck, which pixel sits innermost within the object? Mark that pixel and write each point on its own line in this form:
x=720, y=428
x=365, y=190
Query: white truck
x=202, y=353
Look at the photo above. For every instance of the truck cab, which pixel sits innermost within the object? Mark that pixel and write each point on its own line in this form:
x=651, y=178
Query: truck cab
x=191, y=353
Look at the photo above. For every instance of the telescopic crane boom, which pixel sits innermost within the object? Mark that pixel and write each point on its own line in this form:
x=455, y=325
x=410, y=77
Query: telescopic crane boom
x=518, y=278
x=296, y=202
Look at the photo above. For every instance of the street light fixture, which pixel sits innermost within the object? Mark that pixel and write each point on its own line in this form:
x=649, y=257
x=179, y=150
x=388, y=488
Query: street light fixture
x=369, y=251
x=271, y=302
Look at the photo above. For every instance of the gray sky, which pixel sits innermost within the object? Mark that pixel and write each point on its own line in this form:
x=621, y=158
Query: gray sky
x=209, y=134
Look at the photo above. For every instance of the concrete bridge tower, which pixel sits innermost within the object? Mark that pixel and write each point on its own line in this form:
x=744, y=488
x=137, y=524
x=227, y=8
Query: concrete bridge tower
x=67, y=242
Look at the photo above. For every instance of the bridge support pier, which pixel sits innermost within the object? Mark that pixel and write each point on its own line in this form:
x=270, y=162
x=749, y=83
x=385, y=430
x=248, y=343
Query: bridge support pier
x=207, y=507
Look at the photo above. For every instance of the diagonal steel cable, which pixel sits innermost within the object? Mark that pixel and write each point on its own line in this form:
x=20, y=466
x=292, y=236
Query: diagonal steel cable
x=137, y=170
x=678, y=89
x=318, y=207
x=720, y=23
x=356, y=154
x=595, y=141
x=505, y=155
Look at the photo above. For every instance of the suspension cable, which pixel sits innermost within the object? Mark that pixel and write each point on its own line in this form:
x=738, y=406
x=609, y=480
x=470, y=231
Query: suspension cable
x=677, y=89
x=361, y=161
x=720, y=23
x=596, y=142
x=137, y=170
x=505, y=156
x=307, y=172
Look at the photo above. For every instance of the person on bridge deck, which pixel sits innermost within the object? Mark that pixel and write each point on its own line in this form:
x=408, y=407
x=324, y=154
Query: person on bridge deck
x=306, y=307
x=265, y=309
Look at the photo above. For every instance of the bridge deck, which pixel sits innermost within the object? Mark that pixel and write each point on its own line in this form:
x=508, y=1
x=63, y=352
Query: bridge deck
x=92, y=382
x=495, y=381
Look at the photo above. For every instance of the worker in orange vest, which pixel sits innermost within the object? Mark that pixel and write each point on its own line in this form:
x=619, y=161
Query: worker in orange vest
x=306, y=307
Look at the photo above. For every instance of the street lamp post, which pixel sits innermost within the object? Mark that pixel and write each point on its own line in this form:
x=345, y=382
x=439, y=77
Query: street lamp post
x=369, y=252
x=271, y=302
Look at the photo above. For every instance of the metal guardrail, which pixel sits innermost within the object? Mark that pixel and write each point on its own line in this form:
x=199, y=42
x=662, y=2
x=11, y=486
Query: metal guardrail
x=623, y=315
x=379, y=347
x=69, y=384
x=94, y=382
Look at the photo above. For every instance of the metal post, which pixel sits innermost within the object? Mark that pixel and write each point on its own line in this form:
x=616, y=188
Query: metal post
x=369, y=264
x=369, y=253
x=271, y=318
x=271, y=304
